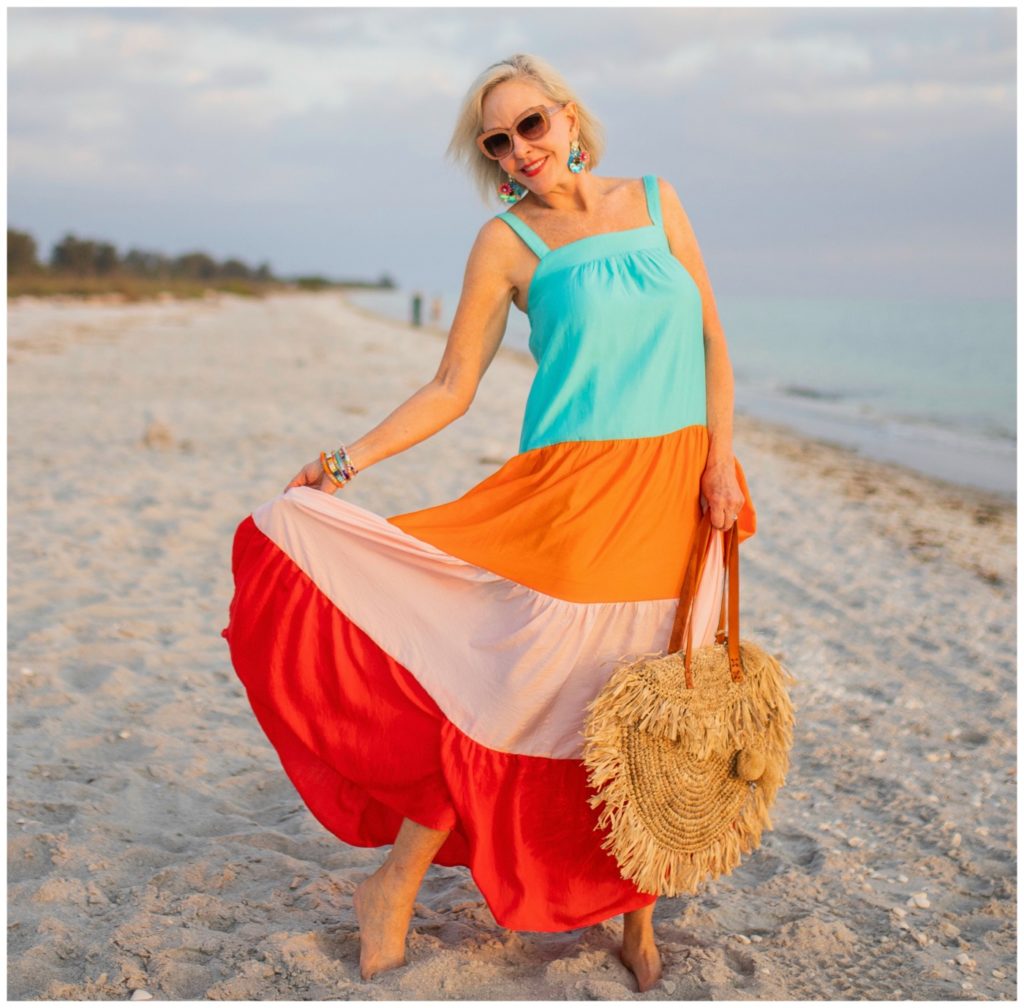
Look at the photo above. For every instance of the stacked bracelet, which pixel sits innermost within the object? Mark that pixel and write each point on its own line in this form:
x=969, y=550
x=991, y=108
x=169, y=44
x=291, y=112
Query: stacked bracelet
x=343, y=462
x=338, y=466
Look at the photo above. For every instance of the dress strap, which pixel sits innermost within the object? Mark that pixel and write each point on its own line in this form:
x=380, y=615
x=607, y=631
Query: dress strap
x=521, y=228
x=653, y=199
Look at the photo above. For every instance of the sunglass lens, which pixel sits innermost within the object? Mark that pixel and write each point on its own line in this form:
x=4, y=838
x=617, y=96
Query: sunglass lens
x=499, y=145
x=532, y=126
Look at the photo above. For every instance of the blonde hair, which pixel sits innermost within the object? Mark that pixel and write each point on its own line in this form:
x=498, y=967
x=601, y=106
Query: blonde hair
x=488, y=174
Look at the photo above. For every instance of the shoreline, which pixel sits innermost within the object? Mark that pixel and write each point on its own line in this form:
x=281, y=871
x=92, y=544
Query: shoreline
x=977, y=496
x=791, y=428
x=154, y=843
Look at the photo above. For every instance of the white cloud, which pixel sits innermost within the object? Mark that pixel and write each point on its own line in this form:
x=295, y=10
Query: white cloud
x=822, y=56
x=893, y=99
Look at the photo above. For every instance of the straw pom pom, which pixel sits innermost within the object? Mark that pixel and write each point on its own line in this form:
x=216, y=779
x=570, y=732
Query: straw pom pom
x=750, y=764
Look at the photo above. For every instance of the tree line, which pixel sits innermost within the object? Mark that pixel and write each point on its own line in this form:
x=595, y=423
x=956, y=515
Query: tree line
x=90, y=258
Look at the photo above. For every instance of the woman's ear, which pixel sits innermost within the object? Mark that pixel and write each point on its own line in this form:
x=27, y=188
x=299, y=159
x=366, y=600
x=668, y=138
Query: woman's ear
x=573, y=116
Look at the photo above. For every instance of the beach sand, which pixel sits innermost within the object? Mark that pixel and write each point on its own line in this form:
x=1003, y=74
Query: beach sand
x=154, y=842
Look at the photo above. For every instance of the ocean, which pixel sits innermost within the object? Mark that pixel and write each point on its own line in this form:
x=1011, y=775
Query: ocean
x=928, y=384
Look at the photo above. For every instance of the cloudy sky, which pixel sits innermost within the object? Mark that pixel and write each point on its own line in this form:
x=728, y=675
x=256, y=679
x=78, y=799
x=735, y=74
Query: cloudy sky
x=849, y=152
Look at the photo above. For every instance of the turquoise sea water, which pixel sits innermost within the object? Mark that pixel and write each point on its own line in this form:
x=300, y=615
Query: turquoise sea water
x=928, y=384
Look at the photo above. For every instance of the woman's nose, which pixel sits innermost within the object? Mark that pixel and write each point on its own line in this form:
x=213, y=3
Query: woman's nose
x=520, y=147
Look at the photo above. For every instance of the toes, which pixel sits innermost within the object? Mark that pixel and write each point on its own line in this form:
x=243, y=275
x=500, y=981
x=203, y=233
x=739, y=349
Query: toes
x=368, y=972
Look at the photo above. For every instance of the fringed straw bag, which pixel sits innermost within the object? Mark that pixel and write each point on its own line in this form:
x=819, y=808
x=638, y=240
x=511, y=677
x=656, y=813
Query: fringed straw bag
x=687, y=750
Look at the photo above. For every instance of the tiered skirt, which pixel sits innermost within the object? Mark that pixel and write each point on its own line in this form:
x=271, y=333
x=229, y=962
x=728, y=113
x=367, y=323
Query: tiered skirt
x=436, y=665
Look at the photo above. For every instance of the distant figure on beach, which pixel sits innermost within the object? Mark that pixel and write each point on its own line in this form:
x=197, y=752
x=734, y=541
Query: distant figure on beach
x=435, y=311
x=424, y=676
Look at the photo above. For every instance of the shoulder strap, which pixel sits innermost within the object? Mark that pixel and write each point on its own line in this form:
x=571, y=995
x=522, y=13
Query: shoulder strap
x=653, y=199
x=521, y=228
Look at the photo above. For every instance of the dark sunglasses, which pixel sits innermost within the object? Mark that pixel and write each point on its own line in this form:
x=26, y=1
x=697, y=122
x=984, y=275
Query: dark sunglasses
x=531, y=125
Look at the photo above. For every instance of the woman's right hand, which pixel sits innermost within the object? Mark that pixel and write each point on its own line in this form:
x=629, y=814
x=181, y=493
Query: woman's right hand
x=313, y=475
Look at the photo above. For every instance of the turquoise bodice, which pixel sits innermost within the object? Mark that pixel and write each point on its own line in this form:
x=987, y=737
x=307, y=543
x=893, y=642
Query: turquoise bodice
x=616, y=328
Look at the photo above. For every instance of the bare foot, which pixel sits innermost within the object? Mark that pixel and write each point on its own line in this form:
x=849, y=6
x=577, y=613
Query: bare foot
x=644, y=960
x=384, y=912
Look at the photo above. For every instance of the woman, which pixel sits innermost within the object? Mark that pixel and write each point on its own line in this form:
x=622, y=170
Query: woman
x=424, y=676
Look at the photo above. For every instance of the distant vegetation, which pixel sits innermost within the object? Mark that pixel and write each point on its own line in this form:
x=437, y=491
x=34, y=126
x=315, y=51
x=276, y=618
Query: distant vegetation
x=85, y=267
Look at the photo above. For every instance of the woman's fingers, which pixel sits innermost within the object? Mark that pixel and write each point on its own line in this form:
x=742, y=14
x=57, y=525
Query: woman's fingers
x=306, y=476
x=723, y=515
x=720, y=487
x=313, y=475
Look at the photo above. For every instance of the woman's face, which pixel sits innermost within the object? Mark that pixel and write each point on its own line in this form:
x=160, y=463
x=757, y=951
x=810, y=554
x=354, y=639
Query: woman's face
x=545, y=158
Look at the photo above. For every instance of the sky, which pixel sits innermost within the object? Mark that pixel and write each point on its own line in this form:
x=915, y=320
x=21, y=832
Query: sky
x=849, y=152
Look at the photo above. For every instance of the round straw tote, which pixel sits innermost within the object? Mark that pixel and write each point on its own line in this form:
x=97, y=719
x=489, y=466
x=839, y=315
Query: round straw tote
x=685, y=750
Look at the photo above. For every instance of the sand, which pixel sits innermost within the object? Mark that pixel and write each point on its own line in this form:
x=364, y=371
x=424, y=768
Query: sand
x=155, y=843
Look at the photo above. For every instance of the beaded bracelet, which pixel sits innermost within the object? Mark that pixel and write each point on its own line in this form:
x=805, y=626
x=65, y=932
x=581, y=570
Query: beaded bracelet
x=344, y=462
x=327, y=469
x=340, y=474
x=332, y=468
x=338, y=466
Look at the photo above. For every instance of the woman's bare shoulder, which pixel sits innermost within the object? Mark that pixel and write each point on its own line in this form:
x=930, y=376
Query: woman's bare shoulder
x=667, y=192
x=677, y=223
x=495, y=237
x=495, y=255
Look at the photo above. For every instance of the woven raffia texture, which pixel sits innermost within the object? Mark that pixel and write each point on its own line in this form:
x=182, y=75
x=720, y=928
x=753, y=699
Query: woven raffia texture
x=661, y=759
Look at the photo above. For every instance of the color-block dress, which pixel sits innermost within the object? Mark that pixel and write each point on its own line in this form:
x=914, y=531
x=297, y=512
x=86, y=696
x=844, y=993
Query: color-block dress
x=437, y=664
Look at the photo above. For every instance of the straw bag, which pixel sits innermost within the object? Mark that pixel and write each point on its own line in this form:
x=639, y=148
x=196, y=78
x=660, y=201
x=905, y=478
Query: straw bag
x=687, y=750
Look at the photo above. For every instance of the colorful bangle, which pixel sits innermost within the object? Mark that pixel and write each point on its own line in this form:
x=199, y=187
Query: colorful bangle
x=338, y=466
x=342, y=465
x=327, y=469
x=342, y=473
x=344, y=462
x=336, y=472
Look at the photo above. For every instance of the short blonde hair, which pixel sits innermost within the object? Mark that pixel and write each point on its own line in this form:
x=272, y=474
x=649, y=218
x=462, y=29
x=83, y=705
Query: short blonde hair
x=488, y=174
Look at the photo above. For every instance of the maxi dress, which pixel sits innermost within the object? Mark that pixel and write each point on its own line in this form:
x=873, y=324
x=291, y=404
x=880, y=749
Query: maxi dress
x=436, y=664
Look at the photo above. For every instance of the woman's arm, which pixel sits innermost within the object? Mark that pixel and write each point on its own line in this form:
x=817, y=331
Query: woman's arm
x=720, y=485
x=473, y=340
x=683, y=243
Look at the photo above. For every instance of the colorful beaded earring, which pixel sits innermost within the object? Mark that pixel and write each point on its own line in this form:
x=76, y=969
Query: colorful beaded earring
x=577, y=157
x=511, y=191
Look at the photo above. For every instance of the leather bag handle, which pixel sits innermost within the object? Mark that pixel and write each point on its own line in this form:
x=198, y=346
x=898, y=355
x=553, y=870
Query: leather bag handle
x=730, y=598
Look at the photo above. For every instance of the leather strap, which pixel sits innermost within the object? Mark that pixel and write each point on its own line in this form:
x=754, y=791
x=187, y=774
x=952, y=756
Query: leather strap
x=691, y=578
x=730, y=607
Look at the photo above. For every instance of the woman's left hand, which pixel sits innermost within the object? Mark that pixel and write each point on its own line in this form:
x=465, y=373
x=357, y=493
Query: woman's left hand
x=720, y=489
x=313, y=475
